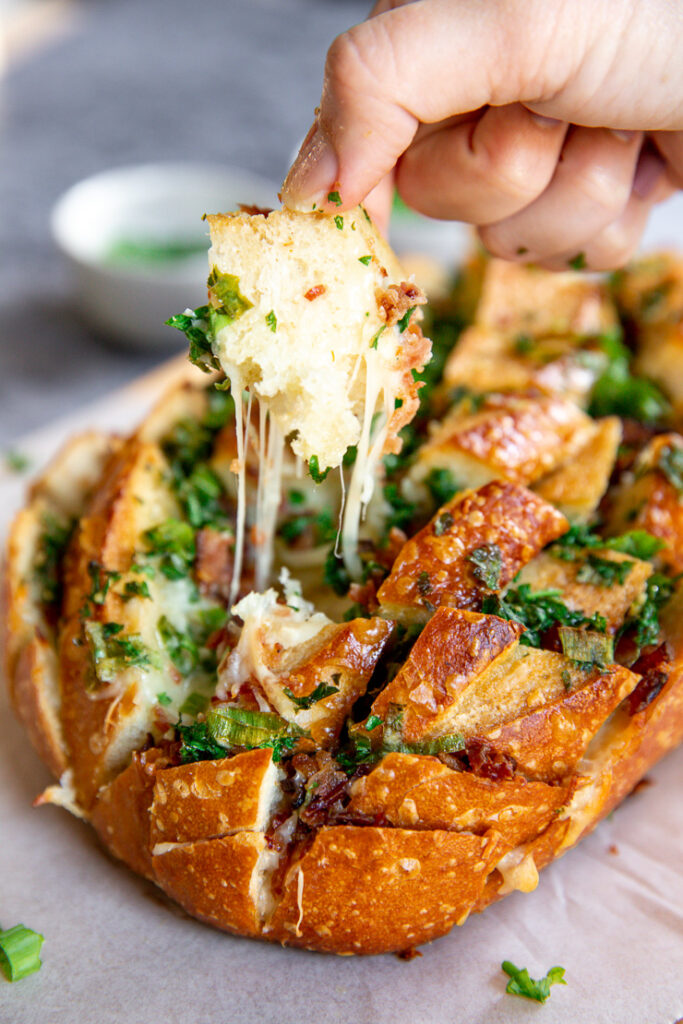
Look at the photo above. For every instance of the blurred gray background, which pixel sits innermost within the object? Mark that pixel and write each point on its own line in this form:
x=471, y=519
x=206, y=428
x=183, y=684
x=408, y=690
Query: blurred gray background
x=85, y=86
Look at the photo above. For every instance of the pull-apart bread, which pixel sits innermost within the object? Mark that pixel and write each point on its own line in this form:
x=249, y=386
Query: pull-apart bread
x=341, y=644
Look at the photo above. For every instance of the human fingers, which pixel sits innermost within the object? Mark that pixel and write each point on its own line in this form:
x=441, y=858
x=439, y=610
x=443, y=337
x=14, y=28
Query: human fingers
x=670, y=145
x=589, y=190
x=379, y=201
x=484, y=170
x=616, y=243
x=425, y=61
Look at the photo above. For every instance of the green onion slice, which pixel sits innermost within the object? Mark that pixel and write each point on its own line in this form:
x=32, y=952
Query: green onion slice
x=19, y=952
x=240, y=727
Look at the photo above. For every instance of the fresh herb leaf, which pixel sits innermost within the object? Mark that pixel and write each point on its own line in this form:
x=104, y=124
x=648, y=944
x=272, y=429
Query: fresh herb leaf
x=577, y=262
x=405, y=319
x=618, y=392
x=271, y=320
x=317, y=475
x=538, y=611
x=164, y=699
x=334, y=197
x=198, y=326
x=487, y=562
x=377, y=335
x=521, y=984
x=604, y=572
x=572, y=546
x=366, y=260
x=335, y=574
x=320, y=525
x=523, y=344
x=100, y=581
x=658, y=590
x=400, y=511
x=321, y=691
x=114, y=653
x=638, y=543
x=173, y=541
x=339, y=221
x=197, y=744
x=441, y=484
x=53, y=542
x=135, y=588
x=181, y=648
x=201, y=496
x=424, y=584
x=372, y=723
x=442, y=523
x=194, y=704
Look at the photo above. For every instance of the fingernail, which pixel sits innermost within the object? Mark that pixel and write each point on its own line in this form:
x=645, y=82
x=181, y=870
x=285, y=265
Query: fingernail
x=649, y=171
x=313, y=173
x=622, y=134
x=544, y=122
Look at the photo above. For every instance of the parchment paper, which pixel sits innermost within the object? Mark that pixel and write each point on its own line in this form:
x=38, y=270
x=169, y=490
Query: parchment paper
x=118, y=952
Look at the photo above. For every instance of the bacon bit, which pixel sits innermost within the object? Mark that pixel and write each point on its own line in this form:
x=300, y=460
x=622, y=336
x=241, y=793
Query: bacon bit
x=487, y=762
x=251, y=210
x=214, y=562
x=365, y=595
x=409, y=954
x=654, y=669
x=613, y=849
x=314, y=292
x=398, y=299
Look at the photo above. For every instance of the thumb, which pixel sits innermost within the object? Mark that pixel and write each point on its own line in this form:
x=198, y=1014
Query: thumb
x=426, y=61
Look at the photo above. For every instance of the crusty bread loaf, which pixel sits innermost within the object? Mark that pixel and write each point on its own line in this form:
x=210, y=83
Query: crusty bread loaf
x=359, y=782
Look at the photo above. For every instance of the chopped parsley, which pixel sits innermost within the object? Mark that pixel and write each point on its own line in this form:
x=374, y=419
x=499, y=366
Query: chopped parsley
x=173, y=541
x=441, y=484
x=405, y=319
x=201, y=496
x=645, y=623
x=316, y=474
x=113, y=653
x=618, y=392
x=335, y=574
x=198, y=326
x=100, y=581
x=321, y=691
x=523, y=344
x=442, y=523
x=521, y=984
x=538, y=611
x=197, y=744
x=339, y=221
x=180, y=647
x=365, y=260
x=424, y=584
x=400, y=511
x=487, y=565
x=320, y=525
x=577, y=262
x=271, y=320
x=164, y=699
x=334, y=197
x=573, y=544
x=377, y=335
x=604, y=572
x=135, y=588
x=52, y=545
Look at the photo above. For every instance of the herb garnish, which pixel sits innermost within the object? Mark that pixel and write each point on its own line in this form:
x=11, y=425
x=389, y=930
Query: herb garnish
x=405, y=319
x=365, y=260
x=376, y=336
x=321, y=691
x=16, y=461
x=314, y=470
x=442, y=523
x=441, y=484
x=521, y=984
x=334, y=197
x=225, y=289
x=577, y=262
x=181, y=648
x=135, y=588
x=618, y=392
x=604, y=572
x=487, y=565
x=113, y=653
x=271, y=320
x=52, y=546
x=173, y=540
x=339, y=221
x=538, y=611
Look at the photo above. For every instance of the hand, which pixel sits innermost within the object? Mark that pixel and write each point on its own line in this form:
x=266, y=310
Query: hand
x=552, y=126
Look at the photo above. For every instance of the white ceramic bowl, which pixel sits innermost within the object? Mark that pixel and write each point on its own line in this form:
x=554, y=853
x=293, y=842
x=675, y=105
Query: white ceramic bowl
x=129, y=298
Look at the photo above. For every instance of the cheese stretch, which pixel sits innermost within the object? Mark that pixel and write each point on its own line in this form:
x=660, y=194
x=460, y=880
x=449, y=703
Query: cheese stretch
x=313, y=321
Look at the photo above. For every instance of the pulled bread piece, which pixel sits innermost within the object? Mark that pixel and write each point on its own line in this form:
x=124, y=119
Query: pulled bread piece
x=477, y=694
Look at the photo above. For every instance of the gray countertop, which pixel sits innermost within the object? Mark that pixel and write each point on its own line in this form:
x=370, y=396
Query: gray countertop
x=228, y=81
